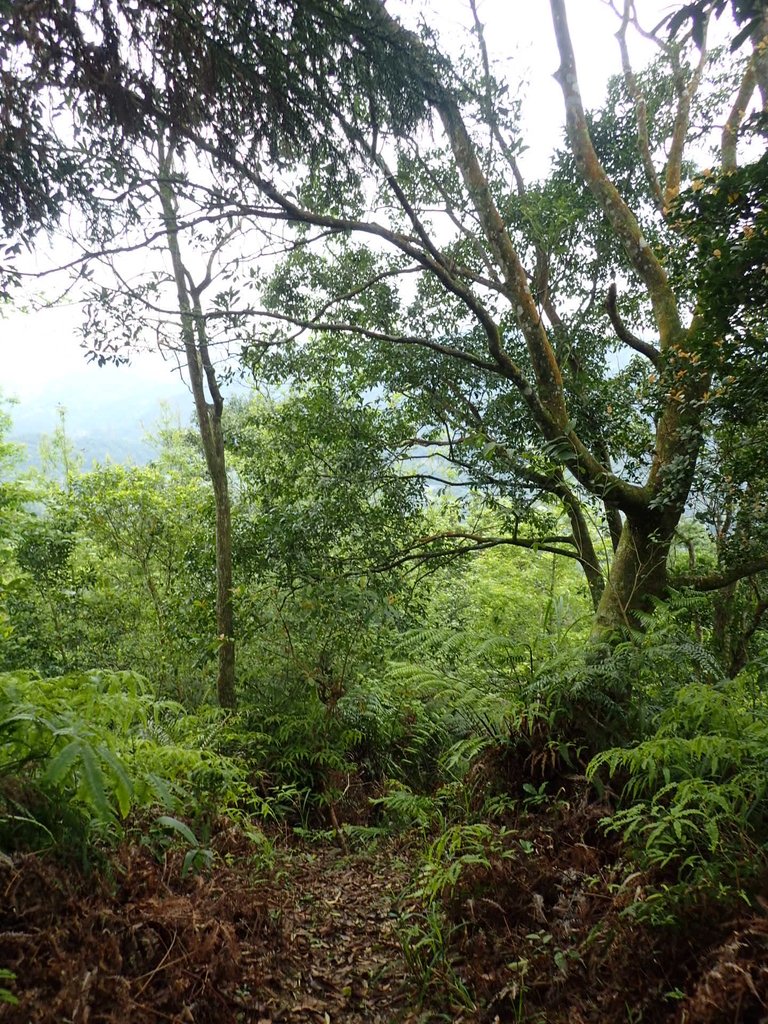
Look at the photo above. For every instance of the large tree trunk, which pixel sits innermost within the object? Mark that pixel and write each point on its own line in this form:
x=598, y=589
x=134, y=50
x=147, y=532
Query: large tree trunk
x=638, y=573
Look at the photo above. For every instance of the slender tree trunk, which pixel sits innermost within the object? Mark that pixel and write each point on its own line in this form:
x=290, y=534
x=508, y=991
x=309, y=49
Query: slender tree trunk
x=225, y=683
x=201, y=372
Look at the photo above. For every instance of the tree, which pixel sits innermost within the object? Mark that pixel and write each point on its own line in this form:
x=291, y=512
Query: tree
x=324, y=514
x=209, y=410
x=113, y=567
x=162, y=307
x=545, y=364
x=501, y=308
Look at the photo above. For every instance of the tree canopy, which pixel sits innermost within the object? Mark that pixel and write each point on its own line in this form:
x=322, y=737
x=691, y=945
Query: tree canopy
x=561, y=342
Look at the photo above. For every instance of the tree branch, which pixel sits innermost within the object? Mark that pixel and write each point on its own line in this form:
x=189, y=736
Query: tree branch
x=623, y=333
x=685, y=93
x=718, y=580
x=730, y=135
x=474, y=543
x=621, y=218
x=366, y=332
x=641, y=109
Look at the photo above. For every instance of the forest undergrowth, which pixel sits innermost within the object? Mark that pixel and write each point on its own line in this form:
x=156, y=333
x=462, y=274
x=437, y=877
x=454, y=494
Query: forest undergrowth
x=543, y=922
x=433, y=802
x=431, y=848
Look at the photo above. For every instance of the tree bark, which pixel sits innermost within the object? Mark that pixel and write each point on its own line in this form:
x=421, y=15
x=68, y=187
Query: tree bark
x=225, y=627
x=638, y=574
x=585, y=546
x=200, y=369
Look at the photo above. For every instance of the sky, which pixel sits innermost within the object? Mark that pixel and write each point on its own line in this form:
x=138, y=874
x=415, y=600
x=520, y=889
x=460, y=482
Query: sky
x=41, y=353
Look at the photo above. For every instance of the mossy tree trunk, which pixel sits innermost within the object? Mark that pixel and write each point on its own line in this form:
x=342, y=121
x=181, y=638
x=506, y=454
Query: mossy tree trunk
x=638, y=574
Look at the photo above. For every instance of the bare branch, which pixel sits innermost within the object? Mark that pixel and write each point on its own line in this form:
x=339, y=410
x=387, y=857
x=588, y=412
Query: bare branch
x=88, y=255
x=622, y=331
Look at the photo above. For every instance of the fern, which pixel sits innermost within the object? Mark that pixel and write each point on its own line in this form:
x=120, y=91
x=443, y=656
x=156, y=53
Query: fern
x=81, y=752
x=6, y=996
x=458, y=848
x=403, y=809
x=696, y=792
x=423, y=725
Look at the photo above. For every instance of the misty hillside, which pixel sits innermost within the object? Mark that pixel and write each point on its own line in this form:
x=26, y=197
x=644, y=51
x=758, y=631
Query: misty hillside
x=109, y=413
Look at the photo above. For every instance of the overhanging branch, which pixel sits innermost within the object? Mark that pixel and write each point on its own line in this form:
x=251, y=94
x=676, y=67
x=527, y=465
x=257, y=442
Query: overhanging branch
x=718, y=580
x=470, y=543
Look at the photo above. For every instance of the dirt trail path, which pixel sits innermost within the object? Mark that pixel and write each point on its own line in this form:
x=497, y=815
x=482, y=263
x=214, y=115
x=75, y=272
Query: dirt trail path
x=342, y=961
x=316, y=944
x=319, y=942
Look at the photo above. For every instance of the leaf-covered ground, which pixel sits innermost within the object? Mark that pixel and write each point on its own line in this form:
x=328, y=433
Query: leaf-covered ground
x=340, y=938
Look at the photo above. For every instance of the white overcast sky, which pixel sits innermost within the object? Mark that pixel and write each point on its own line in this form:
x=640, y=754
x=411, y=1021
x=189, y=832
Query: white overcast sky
x=41, y=351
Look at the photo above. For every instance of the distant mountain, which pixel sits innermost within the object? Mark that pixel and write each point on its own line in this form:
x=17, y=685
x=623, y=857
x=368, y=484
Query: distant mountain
x=109, y=413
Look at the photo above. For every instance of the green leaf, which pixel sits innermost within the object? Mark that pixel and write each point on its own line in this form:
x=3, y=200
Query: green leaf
x=174, y=825
x=60, y=765
x=93, y=777
x=189, y=861
x=160, y=789
x=123, y=787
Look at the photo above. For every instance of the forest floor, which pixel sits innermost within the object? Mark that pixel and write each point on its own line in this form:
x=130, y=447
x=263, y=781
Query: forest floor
x=332, y=937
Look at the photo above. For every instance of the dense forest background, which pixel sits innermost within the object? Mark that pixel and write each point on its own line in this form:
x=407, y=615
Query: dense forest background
x=422, y=675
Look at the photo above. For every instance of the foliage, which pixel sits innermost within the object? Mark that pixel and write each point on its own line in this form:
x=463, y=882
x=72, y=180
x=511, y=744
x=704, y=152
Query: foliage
x=322, y=488
x=14, y=494
x=724, y=220
x=83, y=752
x=458, y=848
x=425, y=942
x=323, y=511
x=415, y=718
x=299, y=747
x=7, y=996
x=609, y=694
x=747, y=13
x=694, y=791
x=111, y=569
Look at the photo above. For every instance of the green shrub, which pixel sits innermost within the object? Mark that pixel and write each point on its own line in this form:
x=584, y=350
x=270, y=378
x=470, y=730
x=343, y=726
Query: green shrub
x=298, y=749
x=80, y=752
x=695, y=793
